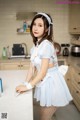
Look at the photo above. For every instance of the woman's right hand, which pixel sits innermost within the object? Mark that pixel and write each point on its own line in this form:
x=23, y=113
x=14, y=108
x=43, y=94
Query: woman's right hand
x=21, y=88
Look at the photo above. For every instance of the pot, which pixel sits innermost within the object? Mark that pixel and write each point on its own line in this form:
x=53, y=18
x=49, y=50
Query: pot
x=75, y=50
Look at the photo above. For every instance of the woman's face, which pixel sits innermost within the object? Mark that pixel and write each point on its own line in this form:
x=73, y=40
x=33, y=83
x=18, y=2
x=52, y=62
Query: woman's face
x=38, y=28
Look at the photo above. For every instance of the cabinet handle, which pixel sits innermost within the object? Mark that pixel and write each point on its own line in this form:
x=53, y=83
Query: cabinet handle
x=21, y=65
x=68, y=64
x=78, y=82
x=68, y=79
x=77, y=91
x=74, y=28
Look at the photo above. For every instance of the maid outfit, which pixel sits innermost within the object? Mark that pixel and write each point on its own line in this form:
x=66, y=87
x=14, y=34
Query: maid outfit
x=52, y=90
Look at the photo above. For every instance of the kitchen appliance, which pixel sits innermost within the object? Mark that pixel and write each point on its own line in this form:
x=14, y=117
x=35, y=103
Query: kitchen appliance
x=17, y=49
x=65, y=51
x=75, y=50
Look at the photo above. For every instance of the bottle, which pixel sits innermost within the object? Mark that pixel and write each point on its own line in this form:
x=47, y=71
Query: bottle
x=4, y=53
x=1, y=87
x=24, y=26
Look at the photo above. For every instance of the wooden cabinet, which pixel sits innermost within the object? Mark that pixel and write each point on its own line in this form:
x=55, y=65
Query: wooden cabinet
x=75, y=42
x=14, y=65
x=72, y=78
x=76, y=87
x=73, y=81
x=68, y=78
x=74, y=18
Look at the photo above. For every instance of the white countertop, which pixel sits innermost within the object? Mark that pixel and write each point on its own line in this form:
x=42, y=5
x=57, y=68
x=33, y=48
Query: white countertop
x=20, y=107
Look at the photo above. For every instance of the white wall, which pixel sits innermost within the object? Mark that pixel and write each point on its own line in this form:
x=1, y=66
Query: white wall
x=9, y=24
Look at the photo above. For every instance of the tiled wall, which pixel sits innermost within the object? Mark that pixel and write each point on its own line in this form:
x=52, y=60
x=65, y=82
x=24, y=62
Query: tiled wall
x=9, y=24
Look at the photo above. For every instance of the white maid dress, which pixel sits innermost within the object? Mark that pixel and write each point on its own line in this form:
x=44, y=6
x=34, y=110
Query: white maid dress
x=52, y=90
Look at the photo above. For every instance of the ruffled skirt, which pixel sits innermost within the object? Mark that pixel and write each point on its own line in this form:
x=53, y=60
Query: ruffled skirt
x=53, y=90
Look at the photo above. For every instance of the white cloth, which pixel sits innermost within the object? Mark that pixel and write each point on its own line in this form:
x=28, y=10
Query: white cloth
x=52, y=90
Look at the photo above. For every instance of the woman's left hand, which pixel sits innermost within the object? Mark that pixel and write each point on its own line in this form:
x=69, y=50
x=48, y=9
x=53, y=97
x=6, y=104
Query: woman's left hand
x=21, y=88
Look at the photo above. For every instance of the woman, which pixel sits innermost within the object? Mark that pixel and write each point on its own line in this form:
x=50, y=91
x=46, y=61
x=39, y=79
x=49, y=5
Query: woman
x=50, y=87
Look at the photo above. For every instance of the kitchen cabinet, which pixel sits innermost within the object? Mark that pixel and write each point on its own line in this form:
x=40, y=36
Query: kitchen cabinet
x=68, y=78
x=73, y=81
x=74, y=18
x=25, y=15
x=72, y=78
x=75, y=42
x=76, y=87
x=16, y=65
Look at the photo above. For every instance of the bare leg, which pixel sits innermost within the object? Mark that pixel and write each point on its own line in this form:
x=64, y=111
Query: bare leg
x=46, y=113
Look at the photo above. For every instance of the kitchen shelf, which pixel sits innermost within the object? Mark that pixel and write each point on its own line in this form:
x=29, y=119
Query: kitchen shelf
x=26, y=18
x=21, y=31
x=74, y=19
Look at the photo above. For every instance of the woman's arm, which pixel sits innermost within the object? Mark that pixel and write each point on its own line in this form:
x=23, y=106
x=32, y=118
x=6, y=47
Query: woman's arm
x=39, y=76
x=30, y=73
x=42, y=73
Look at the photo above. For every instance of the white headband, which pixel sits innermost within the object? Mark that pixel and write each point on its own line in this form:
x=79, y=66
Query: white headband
x=48, y=19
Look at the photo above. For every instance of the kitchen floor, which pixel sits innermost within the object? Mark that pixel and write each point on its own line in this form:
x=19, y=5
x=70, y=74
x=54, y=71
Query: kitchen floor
x=68, y=112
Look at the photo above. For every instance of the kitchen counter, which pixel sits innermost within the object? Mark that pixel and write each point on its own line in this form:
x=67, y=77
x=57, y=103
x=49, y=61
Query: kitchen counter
x=16, y=107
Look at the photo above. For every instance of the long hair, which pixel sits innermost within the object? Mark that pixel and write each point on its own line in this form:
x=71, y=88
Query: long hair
x=46, y=26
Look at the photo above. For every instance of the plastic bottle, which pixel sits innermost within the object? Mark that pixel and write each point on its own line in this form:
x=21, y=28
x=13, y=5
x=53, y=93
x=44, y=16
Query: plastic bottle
x=24, y=26
x=4, y=53
x=1, y=87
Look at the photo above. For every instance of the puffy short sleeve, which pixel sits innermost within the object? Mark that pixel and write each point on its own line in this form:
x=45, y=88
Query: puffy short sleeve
x=46, y=50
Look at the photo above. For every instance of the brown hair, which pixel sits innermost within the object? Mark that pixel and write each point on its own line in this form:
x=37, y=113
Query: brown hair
x=46, y=25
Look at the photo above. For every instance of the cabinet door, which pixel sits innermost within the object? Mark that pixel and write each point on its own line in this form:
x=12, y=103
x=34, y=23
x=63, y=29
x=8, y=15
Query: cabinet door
x=68, y=78
x=10, y=66
x=74, y=18
x=76, y=87
x=76, y=96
